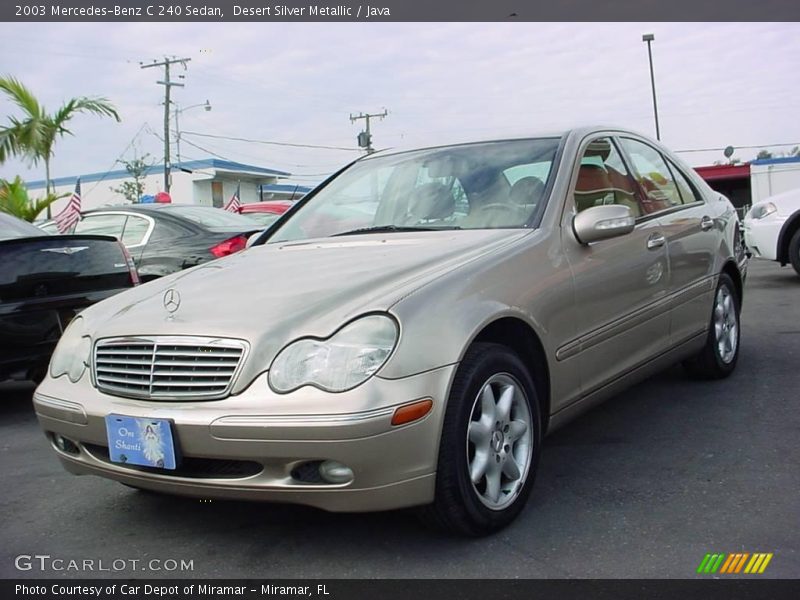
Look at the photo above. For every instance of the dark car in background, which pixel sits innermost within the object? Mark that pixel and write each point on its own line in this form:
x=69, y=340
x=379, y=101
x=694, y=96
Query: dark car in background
x=165, y=238
x=45, y=280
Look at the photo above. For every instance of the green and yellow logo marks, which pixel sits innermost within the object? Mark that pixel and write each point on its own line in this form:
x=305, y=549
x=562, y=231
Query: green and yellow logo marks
x=727, y=564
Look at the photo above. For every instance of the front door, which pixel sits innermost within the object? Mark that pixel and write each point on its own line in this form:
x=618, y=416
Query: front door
x=621, y=316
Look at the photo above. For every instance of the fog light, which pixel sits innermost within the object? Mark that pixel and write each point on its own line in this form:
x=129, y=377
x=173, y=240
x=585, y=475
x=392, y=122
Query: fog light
x=335, y=472
x=65, y=445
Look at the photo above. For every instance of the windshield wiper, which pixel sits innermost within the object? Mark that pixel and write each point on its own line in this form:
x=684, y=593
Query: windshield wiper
x=389, y=229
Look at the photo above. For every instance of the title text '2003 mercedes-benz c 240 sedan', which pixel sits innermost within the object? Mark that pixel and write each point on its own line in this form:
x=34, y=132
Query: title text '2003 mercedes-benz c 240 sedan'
x=407, y=333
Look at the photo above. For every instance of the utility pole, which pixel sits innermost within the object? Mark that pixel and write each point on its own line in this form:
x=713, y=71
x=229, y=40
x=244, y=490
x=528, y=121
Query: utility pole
x=167, y=83
x=365, y=137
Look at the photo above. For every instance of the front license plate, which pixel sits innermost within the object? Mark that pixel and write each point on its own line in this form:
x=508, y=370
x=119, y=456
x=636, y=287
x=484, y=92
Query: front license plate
x=139, y=441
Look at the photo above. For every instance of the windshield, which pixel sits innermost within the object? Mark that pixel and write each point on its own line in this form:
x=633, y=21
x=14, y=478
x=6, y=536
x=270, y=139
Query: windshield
x=473, y=186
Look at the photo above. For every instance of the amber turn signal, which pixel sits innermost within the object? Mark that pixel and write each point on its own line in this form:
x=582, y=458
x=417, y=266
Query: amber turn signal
x=412, y=412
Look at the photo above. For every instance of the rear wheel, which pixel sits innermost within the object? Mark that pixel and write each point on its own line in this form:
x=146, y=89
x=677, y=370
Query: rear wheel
x=718, y=357
x=490, y=444
x=794, y=251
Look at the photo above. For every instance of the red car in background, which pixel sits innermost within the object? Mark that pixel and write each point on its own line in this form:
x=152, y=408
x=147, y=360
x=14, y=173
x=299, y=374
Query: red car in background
x=267, y=212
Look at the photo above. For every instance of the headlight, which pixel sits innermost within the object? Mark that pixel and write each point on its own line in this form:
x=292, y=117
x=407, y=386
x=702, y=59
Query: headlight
x=759, y=211
x=71, y=356
x=345, y=360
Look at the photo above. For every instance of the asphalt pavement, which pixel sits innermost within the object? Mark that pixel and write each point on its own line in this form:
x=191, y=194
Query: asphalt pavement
x=643, y=486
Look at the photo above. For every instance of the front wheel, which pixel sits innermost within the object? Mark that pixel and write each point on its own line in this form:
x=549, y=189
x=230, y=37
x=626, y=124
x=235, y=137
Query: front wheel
x=794, y=251
x=718, y=357
x=490, y=446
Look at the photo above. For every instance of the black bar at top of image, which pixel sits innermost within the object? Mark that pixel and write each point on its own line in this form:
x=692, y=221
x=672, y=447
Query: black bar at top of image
x=395, y=589
x=398, y=10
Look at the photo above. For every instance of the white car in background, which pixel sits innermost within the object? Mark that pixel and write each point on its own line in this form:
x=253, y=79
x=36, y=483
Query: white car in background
x=772, y=229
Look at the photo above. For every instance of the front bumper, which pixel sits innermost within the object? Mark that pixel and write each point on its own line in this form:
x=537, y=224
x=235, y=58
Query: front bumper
x=259, y=445
x=761, y=236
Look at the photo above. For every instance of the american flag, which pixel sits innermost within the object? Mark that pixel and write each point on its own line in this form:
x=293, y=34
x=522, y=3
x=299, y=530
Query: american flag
x=66, y=219
x=235, y=203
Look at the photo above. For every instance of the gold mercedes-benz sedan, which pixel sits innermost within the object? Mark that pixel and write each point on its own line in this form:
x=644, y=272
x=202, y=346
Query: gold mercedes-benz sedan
x=407, y=334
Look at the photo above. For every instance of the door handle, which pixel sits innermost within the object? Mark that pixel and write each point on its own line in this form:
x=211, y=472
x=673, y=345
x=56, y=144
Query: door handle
x=656, y=240
x=706, y=223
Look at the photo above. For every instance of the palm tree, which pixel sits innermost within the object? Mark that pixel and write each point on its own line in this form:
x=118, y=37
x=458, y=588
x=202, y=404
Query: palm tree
x=14, y=200
x=35, y=133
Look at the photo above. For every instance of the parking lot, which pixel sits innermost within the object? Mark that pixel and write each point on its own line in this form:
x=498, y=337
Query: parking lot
x=643, y=486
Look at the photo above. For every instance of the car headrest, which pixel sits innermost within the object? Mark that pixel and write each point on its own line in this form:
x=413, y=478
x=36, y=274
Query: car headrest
x=591, y=179
x=528, y=190
x=432, y=201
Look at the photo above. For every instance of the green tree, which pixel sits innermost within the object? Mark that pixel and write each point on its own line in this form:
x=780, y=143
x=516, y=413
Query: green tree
x=14, y=200
x=763, y=154
x=137, y=169
x=35, y=133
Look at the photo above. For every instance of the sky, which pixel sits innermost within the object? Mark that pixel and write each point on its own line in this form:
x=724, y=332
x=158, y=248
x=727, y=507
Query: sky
x=718, y=84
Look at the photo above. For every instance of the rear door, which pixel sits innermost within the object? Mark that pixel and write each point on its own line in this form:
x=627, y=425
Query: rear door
x=689, y=231
x=620, y=284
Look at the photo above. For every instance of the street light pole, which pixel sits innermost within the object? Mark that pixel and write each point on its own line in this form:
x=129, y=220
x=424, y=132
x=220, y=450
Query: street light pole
x=649, y=37
x=206, y=105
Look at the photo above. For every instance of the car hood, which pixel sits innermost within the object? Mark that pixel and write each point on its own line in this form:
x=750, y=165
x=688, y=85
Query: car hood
x=272, y=294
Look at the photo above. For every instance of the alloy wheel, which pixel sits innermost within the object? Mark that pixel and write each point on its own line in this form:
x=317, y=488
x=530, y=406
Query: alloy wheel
x=499, y=441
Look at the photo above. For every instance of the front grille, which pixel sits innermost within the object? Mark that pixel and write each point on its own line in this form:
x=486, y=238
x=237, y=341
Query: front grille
x=194, y=468
x=167, y=367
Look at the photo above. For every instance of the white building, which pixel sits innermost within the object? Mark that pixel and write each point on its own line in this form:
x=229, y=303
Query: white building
x=208, y=182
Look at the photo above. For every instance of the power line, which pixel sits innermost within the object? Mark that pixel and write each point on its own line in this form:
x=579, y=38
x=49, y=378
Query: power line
x=209, y=151
x=260, y=157
x=121, y=154
x=271, y=143
x=294, y=175
x=759, y=147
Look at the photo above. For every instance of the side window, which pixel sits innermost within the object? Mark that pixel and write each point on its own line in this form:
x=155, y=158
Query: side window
x=654, y=177
x=135, y=230
x=603, y=178
x=686, y=189
x=102, y=225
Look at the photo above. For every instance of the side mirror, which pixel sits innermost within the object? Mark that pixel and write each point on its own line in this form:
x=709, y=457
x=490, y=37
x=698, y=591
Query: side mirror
x=602, y=222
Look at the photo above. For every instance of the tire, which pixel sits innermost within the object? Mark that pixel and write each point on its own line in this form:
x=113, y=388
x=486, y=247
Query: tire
x=794, y=251
x=490, y=377
x=718, y=357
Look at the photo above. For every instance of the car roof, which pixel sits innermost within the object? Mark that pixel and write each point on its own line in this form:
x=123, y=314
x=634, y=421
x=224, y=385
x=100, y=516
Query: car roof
x=579, y=131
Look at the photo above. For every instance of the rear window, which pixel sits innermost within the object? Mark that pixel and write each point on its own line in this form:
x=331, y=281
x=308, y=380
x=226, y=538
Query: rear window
x=212, y=218
x=56, y=265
